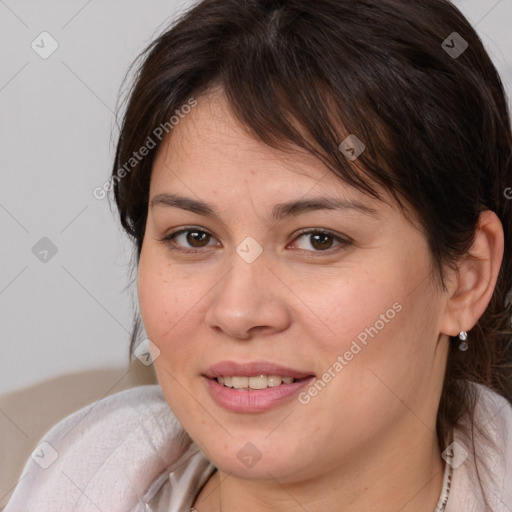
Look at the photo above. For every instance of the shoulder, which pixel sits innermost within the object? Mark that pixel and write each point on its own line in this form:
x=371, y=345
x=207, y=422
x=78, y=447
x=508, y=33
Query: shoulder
x=482, y=464
x=106, y=455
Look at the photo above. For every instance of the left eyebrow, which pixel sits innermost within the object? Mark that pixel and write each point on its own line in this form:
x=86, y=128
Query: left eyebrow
x=292, y=208
x=280, y=211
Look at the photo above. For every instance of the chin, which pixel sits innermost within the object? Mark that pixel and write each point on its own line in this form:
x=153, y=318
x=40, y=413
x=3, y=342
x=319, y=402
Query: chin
x=260, y=470
x=264, y=463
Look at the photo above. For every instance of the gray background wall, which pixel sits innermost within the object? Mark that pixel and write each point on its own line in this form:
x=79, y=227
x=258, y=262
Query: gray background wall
x=68, y=313
x=64, y=309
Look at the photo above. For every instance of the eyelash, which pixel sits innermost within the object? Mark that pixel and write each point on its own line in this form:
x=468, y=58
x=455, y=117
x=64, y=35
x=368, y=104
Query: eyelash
x=343, y=242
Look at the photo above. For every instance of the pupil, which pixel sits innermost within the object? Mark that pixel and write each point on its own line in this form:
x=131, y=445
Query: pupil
x=322, y=245
x=194, y=238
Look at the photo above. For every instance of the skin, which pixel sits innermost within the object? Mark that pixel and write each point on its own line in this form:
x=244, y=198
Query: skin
x=367, y=440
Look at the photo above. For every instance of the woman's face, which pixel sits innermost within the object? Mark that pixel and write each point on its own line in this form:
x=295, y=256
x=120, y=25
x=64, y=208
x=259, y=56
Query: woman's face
x=276, y=261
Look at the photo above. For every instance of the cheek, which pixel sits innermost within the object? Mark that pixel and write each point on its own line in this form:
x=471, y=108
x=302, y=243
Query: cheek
x=165, y=295
x=172, y=301
x=360, y=306
x=370, y=296
x=379, y=329
x=384, y=356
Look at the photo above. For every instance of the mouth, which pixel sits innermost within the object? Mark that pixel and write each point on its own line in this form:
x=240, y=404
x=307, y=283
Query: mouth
x=255, y=382
x=254, y=386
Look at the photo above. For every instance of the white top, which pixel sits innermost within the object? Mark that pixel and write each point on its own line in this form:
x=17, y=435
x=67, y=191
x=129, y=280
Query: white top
x=129, y=453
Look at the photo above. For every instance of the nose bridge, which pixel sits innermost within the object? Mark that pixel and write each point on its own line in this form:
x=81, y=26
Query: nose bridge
x=248, y=296
x=248, y=272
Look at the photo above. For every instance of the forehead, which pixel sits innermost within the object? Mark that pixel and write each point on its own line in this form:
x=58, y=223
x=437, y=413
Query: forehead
x=211, y=149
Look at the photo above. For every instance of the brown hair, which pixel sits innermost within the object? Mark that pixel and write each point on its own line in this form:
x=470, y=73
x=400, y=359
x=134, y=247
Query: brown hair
x=435, y=125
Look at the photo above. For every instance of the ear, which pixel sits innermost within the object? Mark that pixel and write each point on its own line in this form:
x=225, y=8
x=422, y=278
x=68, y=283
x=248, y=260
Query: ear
x=472, y=284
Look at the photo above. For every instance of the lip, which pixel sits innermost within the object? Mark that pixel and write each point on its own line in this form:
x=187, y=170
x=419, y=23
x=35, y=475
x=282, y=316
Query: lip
x=253, y=368
x=256, y=400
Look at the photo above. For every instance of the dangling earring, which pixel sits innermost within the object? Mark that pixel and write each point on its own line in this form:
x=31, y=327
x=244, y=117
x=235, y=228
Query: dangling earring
x=463, y=336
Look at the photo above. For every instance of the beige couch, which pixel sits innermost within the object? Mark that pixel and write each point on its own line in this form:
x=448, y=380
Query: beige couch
x=26, y=415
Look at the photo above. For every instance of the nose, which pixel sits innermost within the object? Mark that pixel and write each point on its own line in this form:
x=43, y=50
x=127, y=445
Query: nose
x=248, y=301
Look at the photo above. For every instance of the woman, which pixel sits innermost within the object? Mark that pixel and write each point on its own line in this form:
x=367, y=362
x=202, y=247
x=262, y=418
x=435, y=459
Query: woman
x=317, y=196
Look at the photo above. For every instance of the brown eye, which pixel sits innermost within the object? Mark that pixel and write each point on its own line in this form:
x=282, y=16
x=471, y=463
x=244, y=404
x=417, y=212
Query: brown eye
x=319, y=241
x=197, y=238
x=189, y=240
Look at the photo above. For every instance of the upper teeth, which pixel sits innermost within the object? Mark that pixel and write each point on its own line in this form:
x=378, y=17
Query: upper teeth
x=256, y=382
